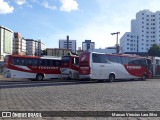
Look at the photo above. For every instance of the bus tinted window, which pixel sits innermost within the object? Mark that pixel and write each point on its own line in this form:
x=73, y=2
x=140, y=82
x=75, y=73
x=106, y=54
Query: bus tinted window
x=142, y=62
x=65, y=59
x=47, y=62
x=55, y=62
x=99, y=58
x=96, y=58
x=137, y=61
x=124, y=60
x=108, y=57
x=32, y=62
x=116, y=59
x=18, y=61
x=42, y=62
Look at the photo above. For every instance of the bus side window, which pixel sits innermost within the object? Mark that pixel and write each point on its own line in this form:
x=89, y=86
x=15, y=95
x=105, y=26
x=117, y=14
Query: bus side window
x=116, y=59
x=103, y=58
x=19, y=61
x=42, y=62
x=35, y=62
x=57, y=63
x=77, y=61
x=52, y=63
x=96, y=58
x=124, y=60
x=108, y=57
x=47, y=62
x=28, y=62
x=73, y=60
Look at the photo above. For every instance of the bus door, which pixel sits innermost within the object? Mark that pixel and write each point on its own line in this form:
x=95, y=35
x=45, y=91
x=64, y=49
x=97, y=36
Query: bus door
x=75, y=63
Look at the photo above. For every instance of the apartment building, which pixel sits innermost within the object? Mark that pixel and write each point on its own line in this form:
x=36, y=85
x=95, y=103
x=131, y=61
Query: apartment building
x=40, y=46
x=68, y=44
x=56, y=52
x=88, y=45
x=19, y=44
x=34, y=47
x=145, y=31
x=30, y=47
x=129, y=42
x=6, y=41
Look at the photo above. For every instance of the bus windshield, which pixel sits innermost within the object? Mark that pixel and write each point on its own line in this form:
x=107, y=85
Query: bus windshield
x=65, y=59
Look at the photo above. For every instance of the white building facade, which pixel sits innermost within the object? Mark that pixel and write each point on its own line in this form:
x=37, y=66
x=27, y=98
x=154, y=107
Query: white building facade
x=88, y=45
x=34, y=47
x=6, y=42
x=145, y=31
x=30, y=47
x=129, y=42
x=40, y=47
x=71, y=45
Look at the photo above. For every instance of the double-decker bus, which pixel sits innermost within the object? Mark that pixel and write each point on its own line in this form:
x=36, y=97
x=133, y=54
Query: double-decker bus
x=70, y=67
x=102, y=66
x=32, y=67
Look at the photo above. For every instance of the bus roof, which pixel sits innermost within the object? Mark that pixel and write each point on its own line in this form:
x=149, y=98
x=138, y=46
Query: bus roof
x=27, y=56
x=123, y=55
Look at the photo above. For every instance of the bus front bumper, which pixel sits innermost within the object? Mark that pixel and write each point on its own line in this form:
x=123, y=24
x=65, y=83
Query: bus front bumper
x=84, y=77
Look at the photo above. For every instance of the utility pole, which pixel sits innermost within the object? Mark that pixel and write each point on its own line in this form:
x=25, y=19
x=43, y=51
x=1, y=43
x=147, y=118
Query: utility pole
x=117, y=45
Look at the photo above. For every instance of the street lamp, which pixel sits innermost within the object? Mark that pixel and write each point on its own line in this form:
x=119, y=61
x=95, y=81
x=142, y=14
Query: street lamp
x=117, y=45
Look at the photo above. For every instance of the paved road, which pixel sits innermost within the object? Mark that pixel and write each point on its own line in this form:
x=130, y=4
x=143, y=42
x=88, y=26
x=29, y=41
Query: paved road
x=62, y=95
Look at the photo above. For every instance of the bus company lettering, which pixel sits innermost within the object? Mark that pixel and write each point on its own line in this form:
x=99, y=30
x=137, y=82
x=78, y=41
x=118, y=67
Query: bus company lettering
x=48, y=68
x=134, y=67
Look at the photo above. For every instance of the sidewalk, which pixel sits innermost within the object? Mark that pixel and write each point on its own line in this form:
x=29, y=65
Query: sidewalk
x=10, y=79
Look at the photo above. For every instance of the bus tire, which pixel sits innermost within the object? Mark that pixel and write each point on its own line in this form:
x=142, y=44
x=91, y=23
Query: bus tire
x=111, y=77
x=39, y=77
x=143, y=78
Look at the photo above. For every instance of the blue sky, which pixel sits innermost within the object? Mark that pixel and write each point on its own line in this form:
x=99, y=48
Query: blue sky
x=51, y=20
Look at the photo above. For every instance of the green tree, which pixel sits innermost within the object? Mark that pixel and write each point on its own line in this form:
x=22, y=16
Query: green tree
x=154, y=50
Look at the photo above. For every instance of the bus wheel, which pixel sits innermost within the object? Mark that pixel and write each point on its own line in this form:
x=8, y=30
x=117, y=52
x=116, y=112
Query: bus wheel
x=39, y=77
x=111, y=77
x=143, y=77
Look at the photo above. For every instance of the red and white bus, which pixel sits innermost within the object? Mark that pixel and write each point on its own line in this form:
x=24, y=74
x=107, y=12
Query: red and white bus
x=102, y=66
x=70, y=67
x=32, y=67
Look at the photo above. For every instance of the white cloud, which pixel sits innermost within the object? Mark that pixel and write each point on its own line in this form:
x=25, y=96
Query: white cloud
x=46, y=5
x=20, y=2
x=5, y=8
x=68, y=5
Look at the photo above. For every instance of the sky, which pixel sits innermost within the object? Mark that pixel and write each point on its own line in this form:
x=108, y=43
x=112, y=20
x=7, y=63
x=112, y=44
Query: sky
x=51, y=20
